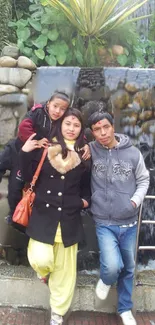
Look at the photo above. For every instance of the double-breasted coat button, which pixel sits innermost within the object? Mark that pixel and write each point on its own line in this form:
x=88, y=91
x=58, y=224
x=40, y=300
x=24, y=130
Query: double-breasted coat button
x=47, y=205
x=59, y=194
x=59, y=209
x=48, y=192
x=51, y=176
x=62, y=177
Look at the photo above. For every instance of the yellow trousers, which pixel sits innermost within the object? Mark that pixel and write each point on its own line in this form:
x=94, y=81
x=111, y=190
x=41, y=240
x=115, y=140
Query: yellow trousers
x=61, y=264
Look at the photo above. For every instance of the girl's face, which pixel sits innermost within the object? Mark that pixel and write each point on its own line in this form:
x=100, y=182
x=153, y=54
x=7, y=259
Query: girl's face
x=56, y=108
x=71, y=127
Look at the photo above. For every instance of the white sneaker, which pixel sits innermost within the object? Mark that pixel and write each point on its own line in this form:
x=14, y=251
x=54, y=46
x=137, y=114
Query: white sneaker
x=127, y=318
x=102, y=290
x=56, y=319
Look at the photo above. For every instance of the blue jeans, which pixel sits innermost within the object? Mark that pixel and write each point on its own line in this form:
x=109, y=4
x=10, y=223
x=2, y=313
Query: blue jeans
x=117, y=260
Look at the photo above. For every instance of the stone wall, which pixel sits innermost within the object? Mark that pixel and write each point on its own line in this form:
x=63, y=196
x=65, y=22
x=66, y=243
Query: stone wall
x=16, y=74
x=128, y=93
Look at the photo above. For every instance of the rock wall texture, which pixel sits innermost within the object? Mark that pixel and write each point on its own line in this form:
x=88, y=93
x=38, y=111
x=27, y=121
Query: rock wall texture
x=16, y=74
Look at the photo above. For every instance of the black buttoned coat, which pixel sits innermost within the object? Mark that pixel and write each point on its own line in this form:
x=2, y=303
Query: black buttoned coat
x=59, y=192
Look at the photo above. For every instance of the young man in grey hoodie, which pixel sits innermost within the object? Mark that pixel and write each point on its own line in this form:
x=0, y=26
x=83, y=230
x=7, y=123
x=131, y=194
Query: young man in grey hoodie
x=119, y=183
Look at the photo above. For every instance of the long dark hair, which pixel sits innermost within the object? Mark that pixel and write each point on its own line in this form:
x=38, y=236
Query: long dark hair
x=79, y=143
x=98, y=116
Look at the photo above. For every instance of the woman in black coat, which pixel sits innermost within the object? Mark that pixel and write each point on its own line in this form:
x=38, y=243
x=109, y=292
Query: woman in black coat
x=55, y=227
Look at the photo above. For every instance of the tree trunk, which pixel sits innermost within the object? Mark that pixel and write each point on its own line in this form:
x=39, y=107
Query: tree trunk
x=5, y=17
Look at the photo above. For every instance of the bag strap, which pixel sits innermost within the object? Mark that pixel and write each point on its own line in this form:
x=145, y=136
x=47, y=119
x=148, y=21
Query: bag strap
x=37, y=172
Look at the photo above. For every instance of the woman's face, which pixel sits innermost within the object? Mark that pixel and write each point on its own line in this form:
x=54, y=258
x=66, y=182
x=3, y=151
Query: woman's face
x=71, y=127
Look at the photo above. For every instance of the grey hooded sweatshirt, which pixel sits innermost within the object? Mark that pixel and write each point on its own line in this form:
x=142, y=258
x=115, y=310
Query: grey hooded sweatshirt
x=118, y=176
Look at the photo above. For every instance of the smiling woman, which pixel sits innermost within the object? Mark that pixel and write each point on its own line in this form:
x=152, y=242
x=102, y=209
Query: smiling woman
x=55, y=227
x=71, y=128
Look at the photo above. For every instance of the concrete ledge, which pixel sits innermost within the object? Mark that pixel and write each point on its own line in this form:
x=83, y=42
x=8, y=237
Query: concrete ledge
x=20, y=287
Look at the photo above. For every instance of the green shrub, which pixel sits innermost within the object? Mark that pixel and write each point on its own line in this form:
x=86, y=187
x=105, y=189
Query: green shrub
x=41, y=35
x=19, y=8
x=152, y=29
x=46, y=36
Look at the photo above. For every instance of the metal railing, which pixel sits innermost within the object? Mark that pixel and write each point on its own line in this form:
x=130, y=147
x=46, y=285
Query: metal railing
x=140, y=222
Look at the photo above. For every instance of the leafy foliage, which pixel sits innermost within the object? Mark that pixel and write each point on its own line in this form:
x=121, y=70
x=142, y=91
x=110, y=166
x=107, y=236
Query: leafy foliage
x=152, y=29
x=96, y=17
x=19, y=8
x=74, y=34
x=41, y=37
x=137, y=52
x=100, y=23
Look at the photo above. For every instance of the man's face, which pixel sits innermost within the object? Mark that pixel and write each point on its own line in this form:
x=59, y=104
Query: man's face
x=103, y=132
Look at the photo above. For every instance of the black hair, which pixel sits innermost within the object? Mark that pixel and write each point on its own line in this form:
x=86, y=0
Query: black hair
x=56, y=124
x=61, y=95
x=97, y=116
x=79, y=143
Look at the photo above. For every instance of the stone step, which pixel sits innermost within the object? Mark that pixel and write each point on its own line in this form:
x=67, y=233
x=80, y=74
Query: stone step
x=4, y=186
x=20, y=287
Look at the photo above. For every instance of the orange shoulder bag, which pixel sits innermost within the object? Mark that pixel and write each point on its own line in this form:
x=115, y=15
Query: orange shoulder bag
x=23, y=209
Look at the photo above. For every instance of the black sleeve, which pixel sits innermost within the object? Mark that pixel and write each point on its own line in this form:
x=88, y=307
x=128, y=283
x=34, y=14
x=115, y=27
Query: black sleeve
x=85, y=189
x=5, y=161
x=28, y=162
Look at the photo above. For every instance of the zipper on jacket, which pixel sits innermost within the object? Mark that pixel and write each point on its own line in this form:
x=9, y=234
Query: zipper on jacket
x=44, y=124
x=110, y=196
x=50, y=121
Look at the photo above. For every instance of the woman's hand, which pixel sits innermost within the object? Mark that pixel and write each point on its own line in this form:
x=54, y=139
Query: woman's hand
x=30, y=144
x=87, y=153
x=85, y=203
x=43, y=143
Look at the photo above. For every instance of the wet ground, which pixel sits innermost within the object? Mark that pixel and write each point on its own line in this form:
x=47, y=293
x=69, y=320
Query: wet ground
x=25, y=316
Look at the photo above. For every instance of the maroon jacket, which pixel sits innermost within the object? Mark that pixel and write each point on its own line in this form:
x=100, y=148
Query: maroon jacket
x=38, y=121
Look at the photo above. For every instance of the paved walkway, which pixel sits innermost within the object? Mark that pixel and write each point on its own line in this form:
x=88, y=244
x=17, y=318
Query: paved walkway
x=26, y=316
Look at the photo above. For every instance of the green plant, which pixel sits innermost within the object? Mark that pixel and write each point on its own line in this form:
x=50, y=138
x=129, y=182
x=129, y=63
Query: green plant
x=128, y=38
x=94, y=21
x=151, y=35
x=19, y=8
x=49, y=37
x=41, y=36
x=142, y=55
x=96, y=18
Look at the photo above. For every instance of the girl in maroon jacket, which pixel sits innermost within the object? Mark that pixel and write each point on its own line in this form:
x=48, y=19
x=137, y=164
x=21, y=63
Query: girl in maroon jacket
x=45, y=120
